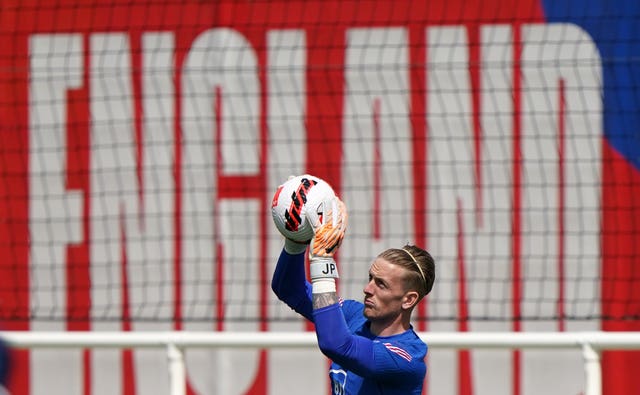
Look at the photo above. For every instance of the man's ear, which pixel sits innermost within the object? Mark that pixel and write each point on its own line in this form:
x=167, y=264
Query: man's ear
x=410, y=299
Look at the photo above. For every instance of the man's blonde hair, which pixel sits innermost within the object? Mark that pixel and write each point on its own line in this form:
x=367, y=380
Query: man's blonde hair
x=419, y=264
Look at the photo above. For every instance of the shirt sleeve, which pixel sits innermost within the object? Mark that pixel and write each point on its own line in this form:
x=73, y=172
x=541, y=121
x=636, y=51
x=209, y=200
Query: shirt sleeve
x=352, y=352
x=290, y=284
x=382, y=361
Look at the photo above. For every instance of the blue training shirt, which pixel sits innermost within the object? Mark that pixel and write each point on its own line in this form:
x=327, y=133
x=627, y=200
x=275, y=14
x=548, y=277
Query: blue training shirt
x=362, y=363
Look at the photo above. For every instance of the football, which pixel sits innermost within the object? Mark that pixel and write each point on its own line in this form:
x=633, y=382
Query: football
x=297, y=206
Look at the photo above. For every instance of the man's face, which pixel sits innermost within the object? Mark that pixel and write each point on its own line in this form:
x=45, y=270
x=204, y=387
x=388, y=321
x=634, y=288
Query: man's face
x=385, y=291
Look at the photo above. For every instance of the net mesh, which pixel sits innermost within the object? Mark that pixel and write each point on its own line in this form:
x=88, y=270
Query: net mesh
x=142, y=143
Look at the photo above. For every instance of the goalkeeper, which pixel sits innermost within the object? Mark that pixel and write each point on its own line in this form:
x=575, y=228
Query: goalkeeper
x=372, y=345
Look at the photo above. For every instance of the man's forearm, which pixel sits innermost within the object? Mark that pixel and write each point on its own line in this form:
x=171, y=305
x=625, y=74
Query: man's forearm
x=324, y=299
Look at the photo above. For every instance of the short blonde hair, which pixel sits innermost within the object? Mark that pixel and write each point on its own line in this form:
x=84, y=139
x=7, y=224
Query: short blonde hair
x=418, y=263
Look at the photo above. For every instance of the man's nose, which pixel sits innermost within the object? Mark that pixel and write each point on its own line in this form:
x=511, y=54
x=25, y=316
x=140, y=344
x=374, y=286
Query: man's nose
x=367, y=288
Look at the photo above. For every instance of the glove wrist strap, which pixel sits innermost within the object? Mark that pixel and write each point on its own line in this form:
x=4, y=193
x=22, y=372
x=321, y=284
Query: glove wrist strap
x=323, y=285
x=323, y=268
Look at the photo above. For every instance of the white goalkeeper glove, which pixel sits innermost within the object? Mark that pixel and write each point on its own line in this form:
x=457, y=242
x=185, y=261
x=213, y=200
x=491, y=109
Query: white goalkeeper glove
x=293, y=247
x=325, y=243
